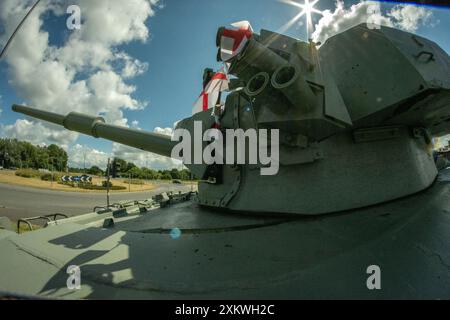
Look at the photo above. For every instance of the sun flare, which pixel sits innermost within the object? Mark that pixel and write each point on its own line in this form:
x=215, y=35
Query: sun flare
x=307, y=11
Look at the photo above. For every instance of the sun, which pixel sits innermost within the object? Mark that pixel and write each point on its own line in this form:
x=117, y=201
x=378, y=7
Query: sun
x=307, y=10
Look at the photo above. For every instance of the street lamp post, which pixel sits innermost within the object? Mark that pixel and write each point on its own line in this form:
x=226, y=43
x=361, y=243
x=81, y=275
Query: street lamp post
x=107, y=184
x=84, y=160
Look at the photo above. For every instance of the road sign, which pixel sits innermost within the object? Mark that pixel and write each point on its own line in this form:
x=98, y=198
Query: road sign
x=84, y=179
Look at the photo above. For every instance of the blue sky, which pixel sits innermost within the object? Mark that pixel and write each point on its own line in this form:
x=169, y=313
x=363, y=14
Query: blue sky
x=181, y=44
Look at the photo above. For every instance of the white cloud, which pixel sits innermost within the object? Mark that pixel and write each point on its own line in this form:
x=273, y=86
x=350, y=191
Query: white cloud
x=115, y=22
x=342, y=19
x=85, y=74
x=166, y=131
x=37, y=133
x=79, y=156
x=410, y=17
x=405, y=17
x=131, y=67
x=135, y=124
x=144, y=159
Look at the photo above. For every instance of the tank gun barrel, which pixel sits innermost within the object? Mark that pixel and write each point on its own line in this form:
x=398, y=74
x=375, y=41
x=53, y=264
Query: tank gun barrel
x=96, y=127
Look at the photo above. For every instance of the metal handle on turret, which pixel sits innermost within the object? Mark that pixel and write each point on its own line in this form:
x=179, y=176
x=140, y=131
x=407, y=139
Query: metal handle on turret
x=429, y=54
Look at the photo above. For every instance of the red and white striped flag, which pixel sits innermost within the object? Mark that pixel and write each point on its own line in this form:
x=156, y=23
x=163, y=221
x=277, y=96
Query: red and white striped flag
x=233, y=40
x=210, y=94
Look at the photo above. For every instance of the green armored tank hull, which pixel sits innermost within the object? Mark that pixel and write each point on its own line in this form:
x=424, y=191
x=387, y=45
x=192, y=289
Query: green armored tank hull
x=217, y=255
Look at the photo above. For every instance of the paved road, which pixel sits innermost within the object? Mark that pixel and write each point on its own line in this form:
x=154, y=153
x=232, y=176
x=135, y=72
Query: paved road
x=19, y=202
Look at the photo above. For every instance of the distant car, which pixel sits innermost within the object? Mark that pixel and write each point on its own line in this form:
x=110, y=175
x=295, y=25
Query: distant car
x=176, y=181
x=13, y=168
x=1, y=168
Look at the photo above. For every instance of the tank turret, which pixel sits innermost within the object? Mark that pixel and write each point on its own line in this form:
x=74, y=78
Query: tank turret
x=356, y=115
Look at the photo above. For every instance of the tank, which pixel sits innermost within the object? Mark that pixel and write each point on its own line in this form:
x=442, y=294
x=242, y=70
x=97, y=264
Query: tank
x=349, y=126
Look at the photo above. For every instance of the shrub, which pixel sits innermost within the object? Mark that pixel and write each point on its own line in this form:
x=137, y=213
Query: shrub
x=95, y=187
x=28, y=173
x=106, y=183
x=92, y=186
x=48, y=177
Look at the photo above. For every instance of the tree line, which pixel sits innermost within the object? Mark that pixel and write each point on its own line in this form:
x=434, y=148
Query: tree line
x=129, y=169
x=22, y=154
x=122, y=168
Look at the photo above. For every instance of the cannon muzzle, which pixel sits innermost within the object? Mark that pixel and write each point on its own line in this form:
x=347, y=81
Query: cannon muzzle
x=96, y=127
